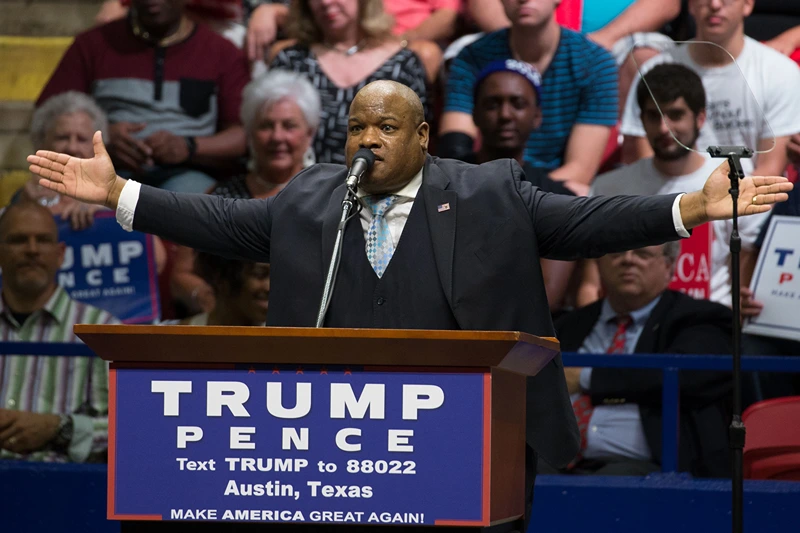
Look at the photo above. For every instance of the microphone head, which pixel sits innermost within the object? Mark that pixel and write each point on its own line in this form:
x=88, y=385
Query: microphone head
x=365, y=154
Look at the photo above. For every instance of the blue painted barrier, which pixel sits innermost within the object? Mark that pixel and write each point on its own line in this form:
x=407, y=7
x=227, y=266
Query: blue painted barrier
x=660, y=503
x=55, y=498
x=671, y=364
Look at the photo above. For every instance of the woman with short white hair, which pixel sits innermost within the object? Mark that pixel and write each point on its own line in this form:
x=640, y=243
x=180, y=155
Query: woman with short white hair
x=64, y=123
x=280, y=113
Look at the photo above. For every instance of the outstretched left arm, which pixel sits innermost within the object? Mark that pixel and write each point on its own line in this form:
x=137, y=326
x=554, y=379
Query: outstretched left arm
x=568, y=228
x=757, y=194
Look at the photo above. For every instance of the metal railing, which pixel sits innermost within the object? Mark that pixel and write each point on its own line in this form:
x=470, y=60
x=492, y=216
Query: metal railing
x=671, y=364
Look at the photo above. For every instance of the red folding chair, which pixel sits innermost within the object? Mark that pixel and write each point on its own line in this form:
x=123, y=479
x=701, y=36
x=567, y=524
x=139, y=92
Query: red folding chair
x=772, y=448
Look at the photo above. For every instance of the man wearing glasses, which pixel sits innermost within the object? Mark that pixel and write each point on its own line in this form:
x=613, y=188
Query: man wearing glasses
x=619, y=410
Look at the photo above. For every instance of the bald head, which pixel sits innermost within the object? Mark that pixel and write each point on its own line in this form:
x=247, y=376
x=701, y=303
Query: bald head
x=382, y=90
x=27, y=209
x=387, y=118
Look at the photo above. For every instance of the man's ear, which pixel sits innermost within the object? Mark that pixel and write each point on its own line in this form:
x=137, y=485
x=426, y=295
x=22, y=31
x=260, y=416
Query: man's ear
x=423, y=133
x=700, y=119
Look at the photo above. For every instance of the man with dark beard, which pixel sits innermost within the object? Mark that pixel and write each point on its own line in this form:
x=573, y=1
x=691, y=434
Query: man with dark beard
x=679, y=93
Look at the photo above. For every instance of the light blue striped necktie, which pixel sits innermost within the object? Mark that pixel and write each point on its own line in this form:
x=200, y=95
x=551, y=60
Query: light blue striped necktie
x=380, y=247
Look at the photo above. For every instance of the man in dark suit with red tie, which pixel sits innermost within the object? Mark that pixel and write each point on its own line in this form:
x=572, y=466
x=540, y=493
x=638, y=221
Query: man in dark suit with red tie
x=438, y=244
x=619, y=410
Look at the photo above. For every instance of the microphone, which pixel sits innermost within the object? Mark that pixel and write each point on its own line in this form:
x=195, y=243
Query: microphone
x=362, y=163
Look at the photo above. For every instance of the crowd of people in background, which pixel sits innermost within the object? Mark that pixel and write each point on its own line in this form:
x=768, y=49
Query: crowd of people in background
x=235, y=97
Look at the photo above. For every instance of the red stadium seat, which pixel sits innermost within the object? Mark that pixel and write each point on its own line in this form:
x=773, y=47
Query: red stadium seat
x=569, y=14
x=772, y=448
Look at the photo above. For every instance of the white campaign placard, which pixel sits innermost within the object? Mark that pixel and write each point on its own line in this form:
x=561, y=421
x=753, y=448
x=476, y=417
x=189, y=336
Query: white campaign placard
x=776, y=281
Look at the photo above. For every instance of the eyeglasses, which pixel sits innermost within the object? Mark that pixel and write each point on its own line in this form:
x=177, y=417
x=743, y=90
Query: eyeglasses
x=644, y=255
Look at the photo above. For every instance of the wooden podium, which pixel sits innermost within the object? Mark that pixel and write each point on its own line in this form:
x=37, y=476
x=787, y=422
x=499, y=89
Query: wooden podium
x=498, y=362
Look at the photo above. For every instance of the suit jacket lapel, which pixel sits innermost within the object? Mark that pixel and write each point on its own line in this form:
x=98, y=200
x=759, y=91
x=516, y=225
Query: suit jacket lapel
x=330, y=221
x=441, y=209
x=648, y=340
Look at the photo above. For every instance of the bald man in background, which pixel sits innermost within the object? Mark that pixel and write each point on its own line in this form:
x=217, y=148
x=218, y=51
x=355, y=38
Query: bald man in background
x=459, y=244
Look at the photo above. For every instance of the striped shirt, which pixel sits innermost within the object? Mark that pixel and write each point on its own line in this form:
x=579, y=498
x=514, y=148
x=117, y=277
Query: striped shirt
x=578, y=87
x=77, y=386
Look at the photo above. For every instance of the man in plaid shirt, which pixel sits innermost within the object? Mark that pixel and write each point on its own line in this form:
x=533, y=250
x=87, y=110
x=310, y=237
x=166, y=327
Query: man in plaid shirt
x=52, y=408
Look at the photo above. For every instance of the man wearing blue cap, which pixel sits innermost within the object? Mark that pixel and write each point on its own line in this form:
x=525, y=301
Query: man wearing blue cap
x=507, y=96
x=578, y=96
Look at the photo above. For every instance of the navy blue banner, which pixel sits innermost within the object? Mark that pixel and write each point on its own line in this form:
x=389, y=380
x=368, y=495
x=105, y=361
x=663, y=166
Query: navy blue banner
x=110, y=268
x=298, y=445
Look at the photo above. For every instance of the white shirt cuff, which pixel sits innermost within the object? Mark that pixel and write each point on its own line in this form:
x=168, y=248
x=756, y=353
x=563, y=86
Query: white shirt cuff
x=126, y=206
x=677, y=220
x=585, y=380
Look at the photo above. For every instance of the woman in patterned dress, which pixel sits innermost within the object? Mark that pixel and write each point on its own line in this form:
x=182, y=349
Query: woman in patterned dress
x=342, y=45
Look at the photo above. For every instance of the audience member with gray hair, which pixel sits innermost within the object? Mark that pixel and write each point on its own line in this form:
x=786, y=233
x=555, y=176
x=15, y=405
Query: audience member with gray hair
x=280, y=114
x=64, y=123
x=46, y=120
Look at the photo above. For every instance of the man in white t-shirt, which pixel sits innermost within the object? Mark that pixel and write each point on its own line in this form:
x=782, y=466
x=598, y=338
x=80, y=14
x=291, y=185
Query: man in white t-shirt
x=733, y=115
x=681, y=97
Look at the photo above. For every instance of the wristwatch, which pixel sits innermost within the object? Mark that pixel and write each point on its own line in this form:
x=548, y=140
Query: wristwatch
x=191, y=145
x=63, y=438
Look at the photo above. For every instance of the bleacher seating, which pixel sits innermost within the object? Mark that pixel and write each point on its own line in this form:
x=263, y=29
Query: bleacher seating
x=772, y=449
x=33, y=37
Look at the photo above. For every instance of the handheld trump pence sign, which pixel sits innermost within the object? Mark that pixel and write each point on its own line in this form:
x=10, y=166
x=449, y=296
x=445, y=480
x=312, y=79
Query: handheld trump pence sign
x=110, y=268
x=776, y=281
x=299, y=444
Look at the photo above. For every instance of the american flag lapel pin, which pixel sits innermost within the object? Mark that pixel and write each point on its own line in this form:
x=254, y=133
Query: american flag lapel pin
x=443, y=207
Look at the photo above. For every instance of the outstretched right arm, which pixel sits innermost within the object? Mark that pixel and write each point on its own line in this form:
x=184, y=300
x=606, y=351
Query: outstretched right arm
x=237, y=229
x=231, y=228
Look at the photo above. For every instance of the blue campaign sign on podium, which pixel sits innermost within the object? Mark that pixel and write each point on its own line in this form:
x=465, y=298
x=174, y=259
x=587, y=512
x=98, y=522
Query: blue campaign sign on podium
x=299, y=444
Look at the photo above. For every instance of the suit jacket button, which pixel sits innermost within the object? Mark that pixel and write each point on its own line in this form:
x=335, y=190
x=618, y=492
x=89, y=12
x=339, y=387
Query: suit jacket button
x=380, y=300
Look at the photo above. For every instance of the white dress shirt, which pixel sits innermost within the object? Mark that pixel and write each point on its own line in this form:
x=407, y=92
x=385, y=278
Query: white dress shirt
x=615, y=430
x=398, y=212
x=396, y=215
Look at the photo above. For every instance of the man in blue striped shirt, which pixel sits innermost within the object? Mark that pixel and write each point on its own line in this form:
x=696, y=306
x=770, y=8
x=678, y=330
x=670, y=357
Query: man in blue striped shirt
x=579, y=92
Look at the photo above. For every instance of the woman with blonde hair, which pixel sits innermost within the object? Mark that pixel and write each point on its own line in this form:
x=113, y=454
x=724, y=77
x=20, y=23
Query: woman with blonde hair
x=342, y=45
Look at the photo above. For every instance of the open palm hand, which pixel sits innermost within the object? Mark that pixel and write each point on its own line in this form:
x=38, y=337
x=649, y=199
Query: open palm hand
x=92, y=181
x=756, y=194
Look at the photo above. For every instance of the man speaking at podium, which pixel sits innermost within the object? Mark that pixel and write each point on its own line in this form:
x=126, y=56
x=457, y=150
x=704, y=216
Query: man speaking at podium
x=464, y=241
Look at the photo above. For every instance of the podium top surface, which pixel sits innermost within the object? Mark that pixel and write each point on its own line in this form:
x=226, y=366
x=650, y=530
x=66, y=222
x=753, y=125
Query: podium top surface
x=512, y=350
